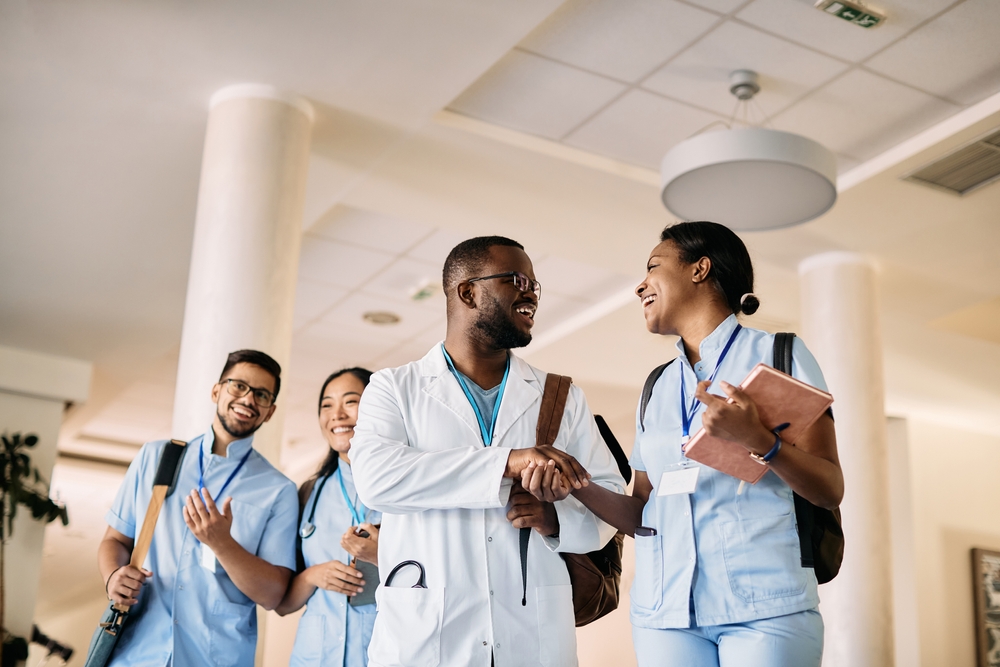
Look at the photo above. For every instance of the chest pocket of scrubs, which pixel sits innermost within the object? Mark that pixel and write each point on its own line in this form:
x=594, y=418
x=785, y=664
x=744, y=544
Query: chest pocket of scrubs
x=763, y=559
x=248, y=525
x=408, y=627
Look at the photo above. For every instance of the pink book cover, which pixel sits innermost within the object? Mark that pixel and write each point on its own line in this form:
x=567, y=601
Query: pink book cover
x=780, y=398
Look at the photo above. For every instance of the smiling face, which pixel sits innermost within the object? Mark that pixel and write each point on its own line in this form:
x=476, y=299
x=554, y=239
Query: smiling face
x=338, y=412
x=505, y=314
x=670, y=288
x=240, y=416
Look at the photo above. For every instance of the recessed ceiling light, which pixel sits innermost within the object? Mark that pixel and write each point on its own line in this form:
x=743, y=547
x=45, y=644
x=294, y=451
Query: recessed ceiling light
x=381, y=317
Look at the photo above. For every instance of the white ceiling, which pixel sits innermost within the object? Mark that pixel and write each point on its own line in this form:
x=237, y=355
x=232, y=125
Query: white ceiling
x=630, y=78
x=103, y=116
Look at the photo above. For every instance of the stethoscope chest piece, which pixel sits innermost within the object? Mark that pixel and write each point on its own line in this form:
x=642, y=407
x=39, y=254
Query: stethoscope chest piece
x=307, y=530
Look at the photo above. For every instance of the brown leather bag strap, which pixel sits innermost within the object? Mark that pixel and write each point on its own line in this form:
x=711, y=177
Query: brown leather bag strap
x=553, y=404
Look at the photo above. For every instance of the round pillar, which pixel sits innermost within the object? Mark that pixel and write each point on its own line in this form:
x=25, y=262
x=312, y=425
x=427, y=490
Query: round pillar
x=841, y=326
x=244, y=262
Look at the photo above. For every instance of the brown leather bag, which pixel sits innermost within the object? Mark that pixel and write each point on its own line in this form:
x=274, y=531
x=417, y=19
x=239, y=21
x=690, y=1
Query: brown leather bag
x=596, y=576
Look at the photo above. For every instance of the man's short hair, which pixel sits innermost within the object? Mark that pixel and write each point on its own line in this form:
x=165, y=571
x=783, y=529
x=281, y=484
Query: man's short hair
x=257, y=359
x=466, y=259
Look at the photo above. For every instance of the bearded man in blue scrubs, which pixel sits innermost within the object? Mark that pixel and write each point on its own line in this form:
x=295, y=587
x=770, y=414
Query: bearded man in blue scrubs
x=215, y=555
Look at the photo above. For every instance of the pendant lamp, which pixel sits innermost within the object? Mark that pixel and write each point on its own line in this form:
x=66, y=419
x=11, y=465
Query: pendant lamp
x=751, y=178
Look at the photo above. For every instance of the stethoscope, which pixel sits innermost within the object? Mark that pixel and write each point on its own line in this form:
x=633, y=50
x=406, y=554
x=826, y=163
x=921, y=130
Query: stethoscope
x=308, y=528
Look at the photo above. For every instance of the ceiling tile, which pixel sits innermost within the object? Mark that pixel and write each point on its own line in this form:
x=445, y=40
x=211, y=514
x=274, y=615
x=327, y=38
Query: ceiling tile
x=330, y=263
x=624, y=39
x=404, y=354
x=346, y=321
x=862, y=114
x=532, y=94
x=322, y=349
x=965, y=70
x=368, y=229
x=554, y=309
x=313, y=299
x=721, y=6
x=700, y=75
x=800, y=22
x=404, y=277
x=640, y=127
x=435, y=248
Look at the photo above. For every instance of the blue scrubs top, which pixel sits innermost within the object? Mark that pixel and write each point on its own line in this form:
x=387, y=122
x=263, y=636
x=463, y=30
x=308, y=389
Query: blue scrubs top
x=719, y=557
x=331, y=631
x=186, y=614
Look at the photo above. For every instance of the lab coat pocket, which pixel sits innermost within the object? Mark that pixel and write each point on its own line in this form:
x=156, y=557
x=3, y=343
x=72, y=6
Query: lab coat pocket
x=763, y=558
x=229, y=625
x=308, y=647
x=408, y=627
x=647, y=587
x=556, y=626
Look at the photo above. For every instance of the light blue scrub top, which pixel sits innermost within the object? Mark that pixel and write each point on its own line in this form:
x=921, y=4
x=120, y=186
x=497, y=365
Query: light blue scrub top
x=331, y=631
x=718, y=557
x=186, y=614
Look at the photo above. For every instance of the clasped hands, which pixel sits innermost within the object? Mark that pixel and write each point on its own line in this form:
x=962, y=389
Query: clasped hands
x=542, y=475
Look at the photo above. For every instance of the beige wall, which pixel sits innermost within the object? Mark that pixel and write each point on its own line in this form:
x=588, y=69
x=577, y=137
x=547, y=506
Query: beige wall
x=956, y=506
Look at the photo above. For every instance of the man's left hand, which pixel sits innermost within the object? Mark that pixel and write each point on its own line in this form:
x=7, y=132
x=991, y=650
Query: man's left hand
x=210, y=525
x=526, y=511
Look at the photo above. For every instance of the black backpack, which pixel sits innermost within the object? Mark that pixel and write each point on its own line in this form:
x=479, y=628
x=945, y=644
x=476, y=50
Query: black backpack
x=821, y=532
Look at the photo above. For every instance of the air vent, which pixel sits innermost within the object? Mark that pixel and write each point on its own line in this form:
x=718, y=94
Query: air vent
x=963, y=170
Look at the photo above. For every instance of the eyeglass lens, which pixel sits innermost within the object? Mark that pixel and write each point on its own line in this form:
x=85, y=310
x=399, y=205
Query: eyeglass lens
x=261, y=397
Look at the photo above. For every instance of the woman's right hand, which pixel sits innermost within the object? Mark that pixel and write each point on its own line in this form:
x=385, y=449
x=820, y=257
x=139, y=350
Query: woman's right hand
x=336, y=576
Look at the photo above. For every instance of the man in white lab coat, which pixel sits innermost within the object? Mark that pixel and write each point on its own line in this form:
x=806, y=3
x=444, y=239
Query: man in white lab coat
x=439, y=448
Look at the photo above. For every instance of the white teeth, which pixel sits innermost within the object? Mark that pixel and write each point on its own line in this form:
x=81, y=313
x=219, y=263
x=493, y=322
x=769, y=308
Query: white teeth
x=343, y=429
x=242, y=412
x=527, y=311
x=648, y=299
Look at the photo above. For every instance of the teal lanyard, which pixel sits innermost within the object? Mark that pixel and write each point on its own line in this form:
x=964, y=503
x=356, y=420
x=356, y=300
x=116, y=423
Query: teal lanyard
x=487, y=433
x=357, y=513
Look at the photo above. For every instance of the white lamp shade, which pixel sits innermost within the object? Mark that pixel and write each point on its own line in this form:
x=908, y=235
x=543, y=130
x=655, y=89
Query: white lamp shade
x=749, y=179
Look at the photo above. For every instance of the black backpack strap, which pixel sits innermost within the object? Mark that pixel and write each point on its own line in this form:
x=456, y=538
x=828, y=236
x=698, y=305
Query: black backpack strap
x=782, y=357
x=805, y=517
x=647, y=391
x=524, y=537
x=616, y=449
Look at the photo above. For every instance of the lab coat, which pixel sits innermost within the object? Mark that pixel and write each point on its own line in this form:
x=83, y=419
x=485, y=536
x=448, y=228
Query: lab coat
x=418, y=457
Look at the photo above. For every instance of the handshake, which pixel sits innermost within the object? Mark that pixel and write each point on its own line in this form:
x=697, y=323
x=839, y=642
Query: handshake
x=547, y=473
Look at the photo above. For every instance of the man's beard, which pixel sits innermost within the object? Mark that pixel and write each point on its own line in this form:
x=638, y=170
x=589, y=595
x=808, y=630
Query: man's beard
x=236, y=430
x=497, y=328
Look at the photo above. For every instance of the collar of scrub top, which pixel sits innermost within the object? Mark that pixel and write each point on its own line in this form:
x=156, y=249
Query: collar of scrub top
x=487, y=433
x=234, y=449
x=688, y=413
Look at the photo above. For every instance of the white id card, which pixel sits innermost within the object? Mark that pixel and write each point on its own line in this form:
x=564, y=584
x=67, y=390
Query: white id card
x=682, y=480
x=207, y=558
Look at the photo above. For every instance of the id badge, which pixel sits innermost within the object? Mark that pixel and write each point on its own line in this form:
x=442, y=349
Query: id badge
x=679, y=481
x=207, y=558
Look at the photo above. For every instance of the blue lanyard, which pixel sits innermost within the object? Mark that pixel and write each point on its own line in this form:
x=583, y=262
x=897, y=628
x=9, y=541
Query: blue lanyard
x=357, y=518
x=687, y=414
x=201, y=471
x=487, y=433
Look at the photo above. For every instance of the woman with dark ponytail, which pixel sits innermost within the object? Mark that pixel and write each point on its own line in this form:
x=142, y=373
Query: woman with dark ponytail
x=719, y=580
x=338, y=536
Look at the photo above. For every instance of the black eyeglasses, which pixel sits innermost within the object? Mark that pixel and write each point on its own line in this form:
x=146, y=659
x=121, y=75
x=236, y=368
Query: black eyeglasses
x=239, y=389
x=521, y=282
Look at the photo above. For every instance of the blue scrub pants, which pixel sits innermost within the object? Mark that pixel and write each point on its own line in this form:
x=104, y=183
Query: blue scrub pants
x=795, y=640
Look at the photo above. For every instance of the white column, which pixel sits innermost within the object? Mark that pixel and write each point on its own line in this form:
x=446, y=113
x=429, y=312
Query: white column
x=244, y=263
x=34, y=391
x=840, y=324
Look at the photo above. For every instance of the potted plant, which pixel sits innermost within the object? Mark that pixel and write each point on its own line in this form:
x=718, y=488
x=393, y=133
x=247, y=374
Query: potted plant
x=20, y=484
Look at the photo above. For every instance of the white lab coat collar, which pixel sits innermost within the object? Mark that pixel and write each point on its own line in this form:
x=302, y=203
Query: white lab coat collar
x=521, y=392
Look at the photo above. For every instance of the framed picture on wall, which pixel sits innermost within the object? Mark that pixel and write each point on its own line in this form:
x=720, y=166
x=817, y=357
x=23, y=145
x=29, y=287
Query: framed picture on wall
x=986, y=582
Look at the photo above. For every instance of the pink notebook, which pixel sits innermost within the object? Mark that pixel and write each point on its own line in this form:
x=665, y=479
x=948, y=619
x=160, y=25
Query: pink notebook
x=780, y=398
